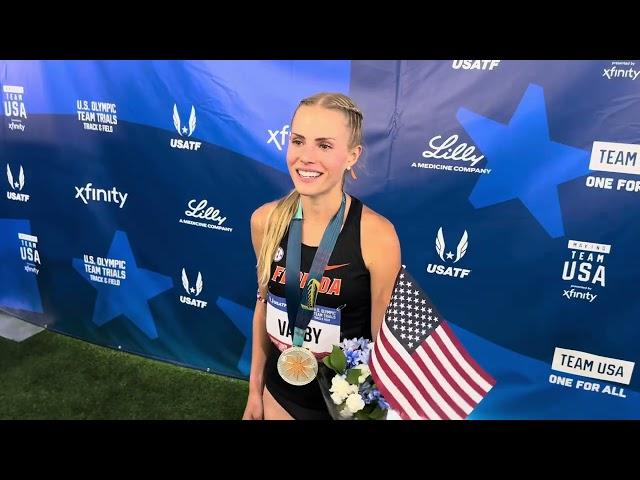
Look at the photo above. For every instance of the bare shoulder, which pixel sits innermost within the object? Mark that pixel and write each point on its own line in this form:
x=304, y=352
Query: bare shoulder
x=260, y=215
x=378, y=236
x=258, y=224
x=375, y=225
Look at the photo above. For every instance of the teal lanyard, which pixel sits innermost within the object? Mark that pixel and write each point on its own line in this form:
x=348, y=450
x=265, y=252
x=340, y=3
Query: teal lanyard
x=300, y=310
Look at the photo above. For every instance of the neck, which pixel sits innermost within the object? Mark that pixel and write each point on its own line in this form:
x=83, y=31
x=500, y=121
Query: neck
x=321, y=208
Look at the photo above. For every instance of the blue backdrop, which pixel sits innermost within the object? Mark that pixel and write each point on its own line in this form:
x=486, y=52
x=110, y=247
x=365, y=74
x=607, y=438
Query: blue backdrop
x=130, y=185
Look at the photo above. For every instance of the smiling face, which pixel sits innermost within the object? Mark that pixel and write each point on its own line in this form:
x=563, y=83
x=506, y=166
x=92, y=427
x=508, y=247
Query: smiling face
x=318, y=152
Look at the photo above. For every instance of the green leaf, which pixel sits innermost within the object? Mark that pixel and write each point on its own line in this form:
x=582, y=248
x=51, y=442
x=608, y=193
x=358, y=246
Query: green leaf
x=327, y=362
x=378, y=413
x=337, y=359
x=368, y=408
x=362, y=415
x=352, y=375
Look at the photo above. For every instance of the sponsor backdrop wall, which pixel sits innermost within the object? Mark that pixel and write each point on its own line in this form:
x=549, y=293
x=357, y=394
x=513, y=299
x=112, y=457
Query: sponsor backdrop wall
x=514, y=187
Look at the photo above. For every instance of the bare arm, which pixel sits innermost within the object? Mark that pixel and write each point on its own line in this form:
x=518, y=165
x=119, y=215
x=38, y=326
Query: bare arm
x=260, y=342
x=381, y=253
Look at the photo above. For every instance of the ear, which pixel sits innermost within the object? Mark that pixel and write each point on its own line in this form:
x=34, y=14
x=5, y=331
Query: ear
x=354, y=155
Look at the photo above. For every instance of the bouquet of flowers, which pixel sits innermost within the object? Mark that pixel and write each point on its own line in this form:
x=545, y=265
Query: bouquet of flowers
x=346, y=383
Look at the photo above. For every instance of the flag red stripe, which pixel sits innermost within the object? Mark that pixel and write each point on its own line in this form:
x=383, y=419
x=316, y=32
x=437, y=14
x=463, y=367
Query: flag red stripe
x=463, y=351
x=450, y=380
x=398, y=356
x=461, y=371
x=435, y=383
x=380, y=385
x=384, y=366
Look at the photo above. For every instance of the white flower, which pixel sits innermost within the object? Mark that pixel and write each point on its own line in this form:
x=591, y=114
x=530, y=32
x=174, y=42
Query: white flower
x=341, y=389
x=337, y=399
x=354, y=403
x=345, y=413
x=364, y=372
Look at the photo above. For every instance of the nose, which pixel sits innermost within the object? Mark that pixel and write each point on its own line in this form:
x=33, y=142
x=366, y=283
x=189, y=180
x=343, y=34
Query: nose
x=304, y=156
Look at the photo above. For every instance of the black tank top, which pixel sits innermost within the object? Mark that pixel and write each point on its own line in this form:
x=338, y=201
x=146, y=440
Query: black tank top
x=343, y=307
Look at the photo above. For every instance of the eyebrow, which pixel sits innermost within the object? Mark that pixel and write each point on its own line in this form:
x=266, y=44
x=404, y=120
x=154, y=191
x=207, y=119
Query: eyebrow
x=319, y=139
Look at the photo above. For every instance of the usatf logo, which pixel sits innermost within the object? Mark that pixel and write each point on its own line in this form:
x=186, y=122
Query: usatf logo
x=192, y=290
x=97, y=116
x=14, y=107
x=585, y=266
x=278, y=137
x=88, y=192
x=449, y=256
x=29, y=252
x=440, y=149
x=16, y=184
x=475, y=64
x=184, y=130
x=200, y=210
x=279, y=254
x=621, y=70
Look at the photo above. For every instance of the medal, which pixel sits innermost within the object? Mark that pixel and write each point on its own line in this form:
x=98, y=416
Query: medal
x=297, y=366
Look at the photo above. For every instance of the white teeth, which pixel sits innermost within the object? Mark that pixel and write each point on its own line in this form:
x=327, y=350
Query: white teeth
x=306, y=174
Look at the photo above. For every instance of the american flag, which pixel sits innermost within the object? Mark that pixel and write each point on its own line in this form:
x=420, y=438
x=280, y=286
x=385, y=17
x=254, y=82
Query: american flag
x=419, y=365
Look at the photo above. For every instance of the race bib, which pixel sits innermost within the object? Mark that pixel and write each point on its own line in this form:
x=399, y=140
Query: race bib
x=322, y=332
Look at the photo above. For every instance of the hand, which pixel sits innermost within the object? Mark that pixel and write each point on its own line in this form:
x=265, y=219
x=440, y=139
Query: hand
x=254, y=409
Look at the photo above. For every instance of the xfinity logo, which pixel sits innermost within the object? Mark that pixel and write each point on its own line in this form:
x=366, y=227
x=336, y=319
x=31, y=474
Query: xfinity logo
x=278, y=136
x=87, y=193
x=615, y=72
x=573, y=293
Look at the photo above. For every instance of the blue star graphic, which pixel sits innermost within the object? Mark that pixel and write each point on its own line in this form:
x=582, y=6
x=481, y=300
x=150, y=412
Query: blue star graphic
x=242, y=319
x=130, y=298
x=526, y=164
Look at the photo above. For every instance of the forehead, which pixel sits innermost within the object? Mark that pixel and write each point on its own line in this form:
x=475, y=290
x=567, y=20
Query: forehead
x=315, y=121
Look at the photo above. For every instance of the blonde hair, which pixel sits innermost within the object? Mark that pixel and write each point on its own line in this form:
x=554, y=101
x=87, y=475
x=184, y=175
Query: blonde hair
x=280, y=217
x=338, y=101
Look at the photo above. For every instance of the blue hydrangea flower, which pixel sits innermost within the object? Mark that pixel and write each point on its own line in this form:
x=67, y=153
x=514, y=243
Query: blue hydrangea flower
x=358, y=351
x=350, y=344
